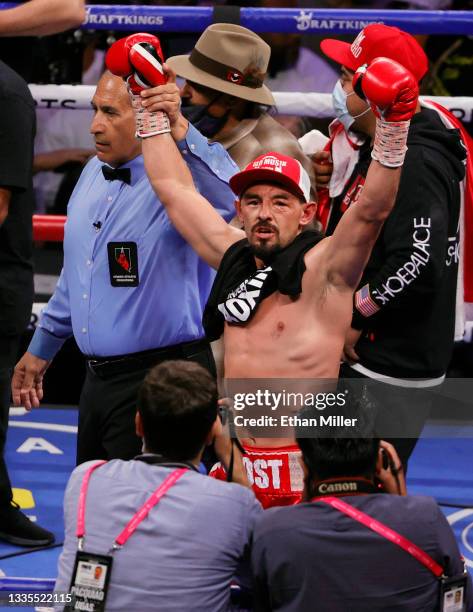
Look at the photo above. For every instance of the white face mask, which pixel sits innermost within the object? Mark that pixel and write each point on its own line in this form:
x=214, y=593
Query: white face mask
x=339, y=99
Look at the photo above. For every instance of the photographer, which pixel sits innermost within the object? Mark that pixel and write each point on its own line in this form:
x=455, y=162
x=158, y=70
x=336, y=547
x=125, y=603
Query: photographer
x=193, y=541
x=313, y=556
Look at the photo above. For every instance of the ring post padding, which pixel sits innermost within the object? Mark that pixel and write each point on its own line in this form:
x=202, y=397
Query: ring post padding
x=227, y=14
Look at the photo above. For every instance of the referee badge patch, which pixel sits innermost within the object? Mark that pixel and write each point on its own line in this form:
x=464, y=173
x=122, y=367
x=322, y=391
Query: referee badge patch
x=123, y=264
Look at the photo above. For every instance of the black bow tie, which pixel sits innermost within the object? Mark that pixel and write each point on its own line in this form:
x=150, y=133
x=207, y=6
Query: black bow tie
x=117, y=174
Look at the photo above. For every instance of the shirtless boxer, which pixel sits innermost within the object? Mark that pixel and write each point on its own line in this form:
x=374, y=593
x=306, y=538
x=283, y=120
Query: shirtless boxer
x=283, y=296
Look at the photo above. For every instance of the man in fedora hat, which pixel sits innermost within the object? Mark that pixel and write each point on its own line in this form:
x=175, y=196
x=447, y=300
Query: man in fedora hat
x=224, y=94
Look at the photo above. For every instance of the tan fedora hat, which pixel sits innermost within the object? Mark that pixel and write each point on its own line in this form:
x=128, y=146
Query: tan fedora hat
x=230, y=59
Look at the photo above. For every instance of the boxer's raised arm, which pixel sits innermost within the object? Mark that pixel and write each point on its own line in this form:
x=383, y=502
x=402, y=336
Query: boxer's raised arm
x=392, y=92
x=350, y=246
x=192, y=215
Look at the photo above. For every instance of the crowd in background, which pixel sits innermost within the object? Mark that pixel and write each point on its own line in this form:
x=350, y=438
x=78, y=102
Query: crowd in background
x=296, y=64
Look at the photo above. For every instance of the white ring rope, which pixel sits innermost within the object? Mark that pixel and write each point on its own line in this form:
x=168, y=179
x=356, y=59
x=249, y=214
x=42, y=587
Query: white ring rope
x=318, y=105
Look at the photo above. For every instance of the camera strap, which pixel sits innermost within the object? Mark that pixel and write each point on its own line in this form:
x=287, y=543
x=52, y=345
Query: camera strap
x=332, y=487
x=154, y=459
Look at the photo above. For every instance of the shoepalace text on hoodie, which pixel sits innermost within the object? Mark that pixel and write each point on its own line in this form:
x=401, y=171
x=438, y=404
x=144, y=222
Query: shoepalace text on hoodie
x=405, y=305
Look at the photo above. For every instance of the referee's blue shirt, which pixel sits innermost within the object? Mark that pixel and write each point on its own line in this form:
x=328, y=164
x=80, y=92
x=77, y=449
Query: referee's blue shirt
x=165, y=308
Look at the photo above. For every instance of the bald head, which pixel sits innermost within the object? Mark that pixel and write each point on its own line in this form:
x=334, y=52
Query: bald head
x=115, y=86
x=113, y=126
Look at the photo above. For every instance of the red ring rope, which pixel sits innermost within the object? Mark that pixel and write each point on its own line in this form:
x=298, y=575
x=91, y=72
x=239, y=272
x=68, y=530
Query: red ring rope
x=48, y=228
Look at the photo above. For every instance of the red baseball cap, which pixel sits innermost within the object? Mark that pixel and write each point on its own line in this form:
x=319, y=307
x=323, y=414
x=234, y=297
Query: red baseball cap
x=273, y=168
x=378, y=40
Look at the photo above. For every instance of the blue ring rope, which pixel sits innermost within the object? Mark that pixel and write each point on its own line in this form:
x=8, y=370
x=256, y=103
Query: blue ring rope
x=308, y=21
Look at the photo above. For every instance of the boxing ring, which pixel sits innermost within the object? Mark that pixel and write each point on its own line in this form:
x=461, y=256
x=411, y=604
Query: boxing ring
x=316, y=105
x=325, y=22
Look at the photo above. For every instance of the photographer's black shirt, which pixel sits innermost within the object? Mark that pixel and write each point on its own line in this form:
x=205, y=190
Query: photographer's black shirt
x=311, y=556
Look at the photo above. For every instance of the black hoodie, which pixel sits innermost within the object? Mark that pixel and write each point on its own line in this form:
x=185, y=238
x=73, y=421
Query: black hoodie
x=412, y=271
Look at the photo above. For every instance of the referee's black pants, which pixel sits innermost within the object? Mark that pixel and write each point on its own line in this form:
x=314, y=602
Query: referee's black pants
x=108, y=404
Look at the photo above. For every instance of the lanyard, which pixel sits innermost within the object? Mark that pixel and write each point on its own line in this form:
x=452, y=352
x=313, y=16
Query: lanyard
x=385, y=532
x=137, y=518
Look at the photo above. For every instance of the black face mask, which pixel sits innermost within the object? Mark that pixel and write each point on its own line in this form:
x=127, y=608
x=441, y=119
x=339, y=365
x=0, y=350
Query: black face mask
x=198, y=115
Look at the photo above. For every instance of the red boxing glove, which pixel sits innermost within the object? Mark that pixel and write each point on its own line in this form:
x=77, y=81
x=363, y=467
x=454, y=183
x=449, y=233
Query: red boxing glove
x=391, y=89
x=138, y=59
x=116, y=59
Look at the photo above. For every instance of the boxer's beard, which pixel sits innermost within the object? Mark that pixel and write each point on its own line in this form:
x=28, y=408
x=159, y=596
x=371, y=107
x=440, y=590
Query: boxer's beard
x=265, y=252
